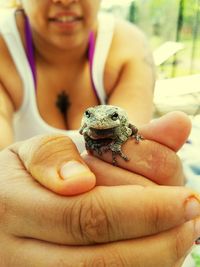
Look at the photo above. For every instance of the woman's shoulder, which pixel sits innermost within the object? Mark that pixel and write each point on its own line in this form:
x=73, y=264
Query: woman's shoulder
x=12, y=19
x=9, y=76
x=128, y=38
x=9, y=18
x=129, y=45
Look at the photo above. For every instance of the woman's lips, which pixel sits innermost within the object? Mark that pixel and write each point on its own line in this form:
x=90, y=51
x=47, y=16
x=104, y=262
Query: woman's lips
x=66, y=21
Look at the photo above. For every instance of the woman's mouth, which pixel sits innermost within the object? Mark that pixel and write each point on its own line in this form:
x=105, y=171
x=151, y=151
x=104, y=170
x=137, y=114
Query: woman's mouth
x=64, y=19
x=67, y=22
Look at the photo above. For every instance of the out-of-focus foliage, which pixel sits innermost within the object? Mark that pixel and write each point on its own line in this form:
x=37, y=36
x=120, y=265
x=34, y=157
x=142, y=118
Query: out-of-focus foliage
x=158, y=17
x=162, y=21
x=167, y=20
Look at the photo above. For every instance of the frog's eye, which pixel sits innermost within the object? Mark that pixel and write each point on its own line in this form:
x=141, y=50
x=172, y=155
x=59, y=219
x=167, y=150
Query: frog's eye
x=114, y=116
x=87, y=114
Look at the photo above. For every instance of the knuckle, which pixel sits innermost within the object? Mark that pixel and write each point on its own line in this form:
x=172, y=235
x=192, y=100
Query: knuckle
x=154, y=218
x=159, y=216
x=94, y=221
x=172, y=167
x=179, y=245
x=70, y=220
x=3, y=208
x=168, y=162
x=60, y=262
x=96, y=261
x=3, y=261
x=113, y=259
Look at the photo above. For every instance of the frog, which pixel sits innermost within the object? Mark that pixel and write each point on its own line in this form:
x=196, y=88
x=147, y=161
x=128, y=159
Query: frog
x=106, y=128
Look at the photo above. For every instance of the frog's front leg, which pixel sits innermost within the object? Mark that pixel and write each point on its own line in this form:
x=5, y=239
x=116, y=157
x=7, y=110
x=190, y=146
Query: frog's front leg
x=135, y=133
x=93, y=145
x=98, y=146
x=116, y=148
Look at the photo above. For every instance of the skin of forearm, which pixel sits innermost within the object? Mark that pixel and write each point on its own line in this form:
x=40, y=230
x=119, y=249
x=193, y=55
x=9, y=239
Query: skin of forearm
x=137, y=83
x=7, y=136
x=140, y=109
x=142, y=114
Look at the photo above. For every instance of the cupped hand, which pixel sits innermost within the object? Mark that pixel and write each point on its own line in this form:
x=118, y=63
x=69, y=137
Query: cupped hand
x=110, y=225
x=55, y=162
x=118, y=225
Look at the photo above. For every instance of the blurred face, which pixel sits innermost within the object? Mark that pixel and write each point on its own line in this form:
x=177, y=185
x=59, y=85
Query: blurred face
x=64, y=23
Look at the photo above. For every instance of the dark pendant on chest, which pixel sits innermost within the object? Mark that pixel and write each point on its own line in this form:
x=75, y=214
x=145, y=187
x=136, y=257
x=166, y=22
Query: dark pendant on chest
x=63, y=103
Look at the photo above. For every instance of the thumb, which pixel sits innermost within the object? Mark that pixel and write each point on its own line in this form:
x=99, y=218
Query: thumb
x=54, y=161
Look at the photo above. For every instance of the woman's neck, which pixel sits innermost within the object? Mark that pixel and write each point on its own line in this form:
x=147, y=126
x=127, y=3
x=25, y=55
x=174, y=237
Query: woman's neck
x=52, y=54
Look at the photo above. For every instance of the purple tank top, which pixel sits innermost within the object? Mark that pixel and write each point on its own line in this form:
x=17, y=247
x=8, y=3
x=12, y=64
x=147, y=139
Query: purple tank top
x=30, y=54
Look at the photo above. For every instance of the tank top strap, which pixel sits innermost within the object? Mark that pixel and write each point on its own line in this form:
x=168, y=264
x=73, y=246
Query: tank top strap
x=11, y=36
x=101, y=51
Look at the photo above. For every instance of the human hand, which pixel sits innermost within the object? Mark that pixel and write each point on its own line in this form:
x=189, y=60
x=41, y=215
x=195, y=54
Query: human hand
x=119, y=225
x=40, y=228
x=153, y=161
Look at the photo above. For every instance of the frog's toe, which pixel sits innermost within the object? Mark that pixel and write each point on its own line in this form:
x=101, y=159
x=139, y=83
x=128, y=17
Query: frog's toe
x=124, y=156
x=138, y=138
x=106, y=149
x=114, y=159
x=100, y=152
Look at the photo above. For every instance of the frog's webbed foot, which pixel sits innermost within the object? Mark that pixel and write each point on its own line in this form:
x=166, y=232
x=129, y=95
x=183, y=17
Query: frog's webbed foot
x=114, y=157
x=138, y=138
x=116, y=150
x=97, y=146
x=106, y=148
x=94, y=148
x=135, y=133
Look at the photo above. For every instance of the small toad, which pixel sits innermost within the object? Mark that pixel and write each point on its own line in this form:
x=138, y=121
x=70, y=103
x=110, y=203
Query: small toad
x=106, y=127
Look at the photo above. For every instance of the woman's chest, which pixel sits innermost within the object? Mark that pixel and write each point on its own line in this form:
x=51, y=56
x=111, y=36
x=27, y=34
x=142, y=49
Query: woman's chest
x=63, y=95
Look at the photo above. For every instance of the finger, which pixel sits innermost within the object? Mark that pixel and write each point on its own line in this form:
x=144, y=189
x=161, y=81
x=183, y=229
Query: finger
x=54, y=161
x=164, y=250
x=155, y=160
x=113, y=176
x=171, y=130
x=99, y=216
x=152, y=160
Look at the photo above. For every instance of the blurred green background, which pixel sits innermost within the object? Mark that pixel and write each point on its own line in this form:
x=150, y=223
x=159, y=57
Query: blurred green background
x=162, y=21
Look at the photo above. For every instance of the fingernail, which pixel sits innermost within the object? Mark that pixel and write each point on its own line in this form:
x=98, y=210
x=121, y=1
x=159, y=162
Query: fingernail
x=73, y=168
x=197, y=242
x=197, y=231
x=192, y=208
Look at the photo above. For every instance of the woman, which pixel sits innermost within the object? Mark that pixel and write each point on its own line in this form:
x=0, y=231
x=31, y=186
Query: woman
x=62, y=59
x=50, y=83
